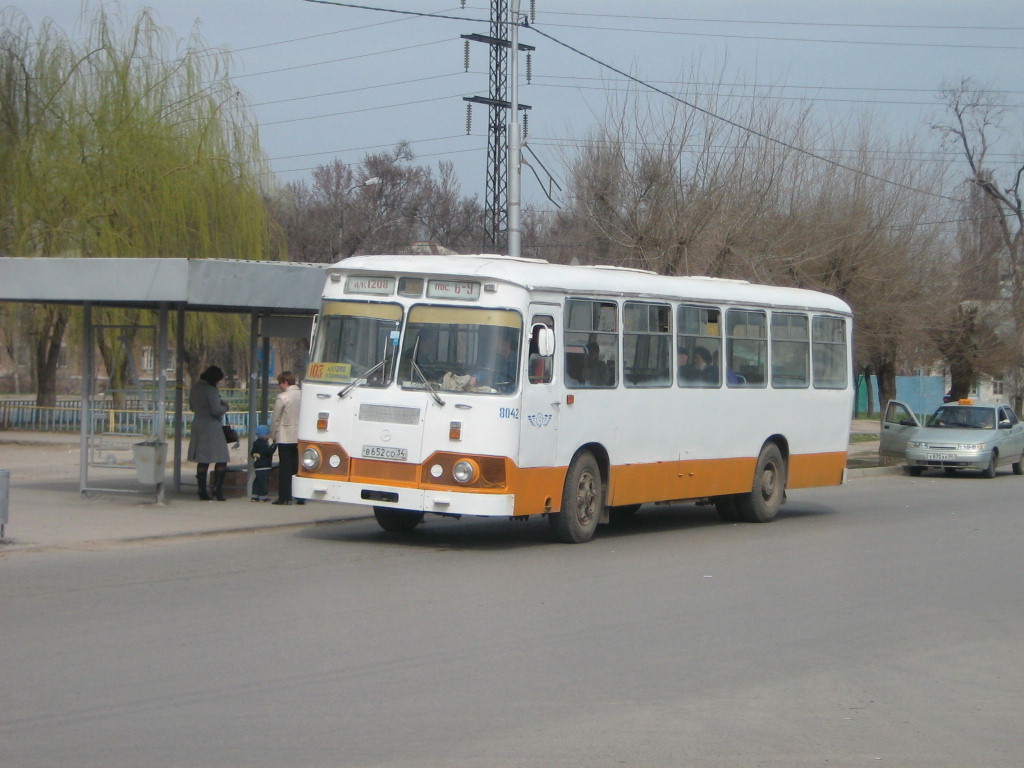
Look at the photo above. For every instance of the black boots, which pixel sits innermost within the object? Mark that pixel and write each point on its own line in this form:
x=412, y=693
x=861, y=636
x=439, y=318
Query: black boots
x=218, y=484
x=201, y=481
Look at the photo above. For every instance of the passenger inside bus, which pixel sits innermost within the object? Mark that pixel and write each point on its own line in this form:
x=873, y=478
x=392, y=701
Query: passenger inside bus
x=500, y=374
x=539, y=366
x=702, y=371
x=584, y=366
x=683, y=363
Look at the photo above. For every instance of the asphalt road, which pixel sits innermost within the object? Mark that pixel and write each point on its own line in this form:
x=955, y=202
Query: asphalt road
x=879, y=623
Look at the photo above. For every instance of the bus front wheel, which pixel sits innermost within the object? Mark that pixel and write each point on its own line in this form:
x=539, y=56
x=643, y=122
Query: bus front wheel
x=582, y=501
x=397, y=520
x=762, y=504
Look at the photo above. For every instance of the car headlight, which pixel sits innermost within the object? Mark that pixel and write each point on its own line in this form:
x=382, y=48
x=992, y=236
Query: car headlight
x=310, y=459
x=971, y=446
x=464, y=471
x=917, y=444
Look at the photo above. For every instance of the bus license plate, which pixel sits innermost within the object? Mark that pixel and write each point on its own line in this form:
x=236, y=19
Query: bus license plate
x=385, y=452
x=941, y=456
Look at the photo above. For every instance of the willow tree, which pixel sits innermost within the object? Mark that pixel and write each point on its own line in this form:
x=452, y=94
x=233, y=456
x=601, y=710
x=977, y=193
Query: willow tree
x=123, y=142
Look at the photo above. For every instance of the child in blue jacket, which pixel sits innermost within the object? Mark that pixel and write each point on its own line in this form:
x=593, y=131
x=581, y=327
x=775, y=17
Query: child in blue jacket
x=263, y=460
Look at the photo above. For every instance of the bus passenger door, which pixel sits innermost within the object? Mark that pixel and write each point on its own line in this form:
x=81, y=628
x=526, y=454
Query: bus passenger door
x=539, y=419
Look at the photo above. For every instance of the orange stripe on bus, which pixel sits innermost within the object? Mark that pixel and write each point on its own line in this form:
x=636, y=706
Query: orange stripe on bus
x=539, y=489
x=811, y=470
x=670, y=480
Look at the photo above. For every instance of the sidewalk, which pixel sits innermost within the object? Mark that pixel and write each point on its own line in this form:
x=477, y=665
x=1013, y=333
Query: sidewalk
x=46, y=511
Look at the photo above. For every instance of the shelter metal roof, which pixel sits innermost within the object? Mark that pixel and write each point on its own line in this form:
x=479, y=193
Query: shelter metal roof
x=224, y=285
x=282, y=293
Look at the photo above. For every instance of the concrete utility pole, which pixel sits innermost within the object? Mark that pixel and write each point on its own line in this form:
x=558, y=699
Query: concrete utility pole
x=498, y=212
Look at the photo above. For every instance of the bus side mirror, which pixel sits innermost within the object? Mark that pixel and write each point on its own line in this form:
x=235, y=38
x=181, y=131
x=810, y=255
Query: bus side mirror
x=545, y=338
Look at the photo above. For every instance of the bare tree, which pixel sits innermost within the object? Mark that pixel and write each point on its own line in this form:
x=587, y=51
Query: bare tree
x=383, y=205
x=979, y=120
x=682, y=193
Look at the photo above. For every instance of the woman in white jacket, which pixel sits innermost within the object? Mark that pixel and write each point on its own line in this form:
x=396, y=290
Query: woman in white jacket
x=284, y=430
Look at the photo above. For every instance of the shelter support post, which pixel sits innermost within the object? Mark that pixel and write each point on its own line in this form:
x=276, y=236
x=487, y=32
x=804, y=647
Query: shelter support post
x=179, y=395
x=265, y=382
x=254, y=378
x=85, y=409
x=161, y=395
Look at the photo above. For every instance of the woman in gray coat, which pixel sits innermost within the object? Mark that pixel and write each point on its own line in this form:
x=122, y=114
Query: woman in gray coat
x=207, y=445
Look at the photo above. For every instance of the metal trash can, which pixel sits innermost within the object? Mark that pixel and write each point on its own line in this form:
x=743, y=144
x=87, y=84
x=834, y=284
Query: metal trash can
x=150, y=459
x=5, y=498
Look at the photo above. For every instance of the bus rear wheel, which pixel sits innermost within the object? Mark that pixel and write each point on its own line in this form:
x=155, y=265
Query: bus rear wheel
x=397, y=520
x=582, y=501
x=762, y=504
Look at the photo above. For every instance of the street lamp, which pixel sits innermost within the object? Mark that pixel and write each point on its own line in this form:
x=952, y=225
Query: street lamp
x=373, y=181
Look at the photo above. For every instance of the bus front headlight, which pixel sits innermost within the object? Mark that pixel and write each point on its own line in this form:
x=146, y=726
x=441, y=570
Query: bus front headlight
x=310, y=459
x=465, y=471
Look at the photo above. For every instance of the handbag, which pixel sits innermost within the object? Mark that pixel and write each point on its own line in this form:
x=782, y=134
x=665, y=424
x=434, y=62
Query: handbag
x=230, y=435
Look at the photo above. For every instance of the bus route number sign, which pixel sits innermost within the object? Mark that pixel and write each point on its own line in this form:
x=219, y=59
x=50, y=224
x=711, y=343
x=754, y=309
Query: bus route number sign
x=453, y=289
x=377, y=286
x=329, y=371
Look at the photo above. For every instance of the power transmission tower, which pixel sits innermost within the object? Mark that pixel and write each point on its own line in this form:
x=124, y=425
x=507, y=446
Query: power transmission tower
x=497, y=101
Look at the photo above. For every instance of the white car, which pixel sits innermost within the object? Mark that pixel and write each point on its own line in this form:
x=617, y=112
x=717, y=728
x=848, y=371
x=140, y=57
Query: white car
x=961, y=435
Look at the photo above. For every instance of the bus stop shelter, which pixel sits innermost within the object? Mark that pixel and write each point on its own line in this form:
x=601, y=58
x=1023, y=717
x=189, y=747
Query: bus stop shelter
x=280, y=299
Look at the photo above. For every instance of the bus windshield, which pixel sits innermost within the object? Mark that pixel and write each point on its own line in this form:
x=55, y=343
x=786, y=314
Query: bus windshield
x=461, y=349
x=354, y=340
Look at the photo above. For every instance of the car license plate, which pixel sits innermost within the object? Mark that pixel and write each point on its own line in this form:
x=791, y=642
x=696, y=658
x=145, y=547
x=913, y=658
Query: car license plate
x=385, y=452
x=941, y=456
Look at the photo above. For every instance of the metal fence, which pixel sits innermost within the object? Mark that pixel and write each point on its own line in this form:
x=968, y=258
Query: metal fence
x=132, y=419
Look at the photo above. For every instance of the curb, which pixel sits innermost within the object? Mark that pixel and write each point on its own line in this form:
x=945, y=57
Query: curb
x=854, y=474
x=11, y=545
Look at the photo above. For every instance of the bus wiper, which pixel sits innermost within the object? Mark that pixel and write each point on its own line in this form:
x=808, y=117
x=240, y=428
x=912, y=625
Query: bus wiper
x=363, y=377
x=426, y=383
x=419, y=371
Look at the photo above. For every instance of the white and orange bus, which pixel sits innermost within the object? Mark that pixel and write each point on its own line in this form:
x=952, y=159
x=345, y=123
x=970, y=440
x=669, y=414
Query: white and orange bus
x=505, y=387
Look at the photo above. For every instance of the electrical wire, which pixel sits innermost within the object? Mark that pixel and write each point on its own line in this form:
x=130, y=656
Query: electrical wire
x=772, y=86
x=358, y=111
x=773, y=97
x=344, y=58
x=783, y=23
x=422, y=14
x=740, y=126
x=764, y=39
x=356, y=90
x=366, y=148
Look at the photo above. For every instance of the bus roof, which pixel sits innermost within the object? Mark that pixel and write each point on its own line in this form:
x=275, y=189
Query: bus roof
x=537, y=274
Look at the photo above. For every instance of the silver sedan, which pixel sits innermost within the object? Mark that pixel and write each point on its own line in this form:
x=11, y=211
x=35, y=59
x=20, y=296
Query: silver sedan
x=962, y=435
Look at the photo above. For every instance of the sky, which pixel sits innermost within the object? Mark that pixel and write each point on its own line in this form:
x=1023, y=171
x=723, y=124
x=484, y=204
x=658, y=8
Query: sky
x=332, y=82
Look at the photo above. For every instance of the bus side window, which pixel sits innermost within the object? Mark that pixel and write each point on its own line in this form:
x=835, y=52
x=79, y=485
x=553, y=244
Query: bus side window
x=591, y=343
x=540, y=367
